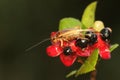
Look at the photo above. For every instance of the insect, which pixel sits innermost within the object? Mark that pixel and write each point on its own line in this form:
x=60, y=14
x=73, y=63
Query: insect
x=68, y=35
x=37, y=44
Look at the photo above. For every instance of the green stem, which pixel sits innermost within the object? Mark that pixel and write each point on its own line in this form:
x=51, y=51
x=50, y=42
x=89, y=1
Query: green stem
x=89, y=76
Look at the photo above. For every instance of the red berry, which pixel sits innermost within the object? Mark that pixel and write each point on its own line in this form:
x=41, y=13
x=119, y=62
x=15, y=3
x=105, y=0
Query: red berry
x=80, y=52
x=73, y=46
x=104, y=52
x=54, y=50
x=103, y=48
x=68, y=60
x=84, y=52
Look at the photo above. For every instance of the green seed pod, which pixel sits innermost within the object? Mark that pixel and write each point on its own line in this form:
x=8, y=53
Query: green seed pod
x=98, y=25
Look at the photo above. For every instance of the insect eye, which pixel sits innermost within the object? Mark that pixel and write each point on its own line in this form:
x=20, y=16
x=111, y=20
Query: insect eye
x=67, y=51
x=91, y=36
x=82, y=43
x=106, y=33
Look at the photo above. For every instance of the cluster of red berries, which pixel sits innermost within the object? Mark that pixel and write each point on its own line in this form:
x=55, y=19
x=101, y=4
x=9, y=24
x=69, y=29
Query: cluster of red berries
x=82, y=47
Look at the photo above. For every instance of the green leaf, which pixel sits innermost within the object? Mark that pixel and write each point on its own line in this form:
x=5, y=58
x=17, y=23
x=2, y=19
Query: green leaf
x=89, y=64
x=114, y=46
x=71, y=73
x=88, y=16
x=67, y=23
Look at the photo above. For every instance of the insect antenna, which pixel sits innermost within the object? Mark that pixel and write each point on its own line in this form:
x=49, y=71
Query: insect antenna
x=37, y=44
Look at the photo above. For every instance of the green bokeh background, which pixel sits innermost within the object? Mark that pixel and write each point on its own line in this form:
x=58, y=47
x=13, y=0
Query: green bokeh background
x=24, y=23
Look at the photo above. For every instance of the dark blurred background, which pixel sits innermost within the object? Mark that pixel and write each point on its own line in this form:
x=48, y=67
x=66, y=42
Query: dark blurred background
x=24, y=23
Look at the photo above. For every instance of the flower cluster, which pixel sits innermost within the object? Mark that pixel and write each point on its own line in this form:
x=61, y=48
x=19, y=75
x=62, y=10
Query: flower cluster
x=70, y=50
